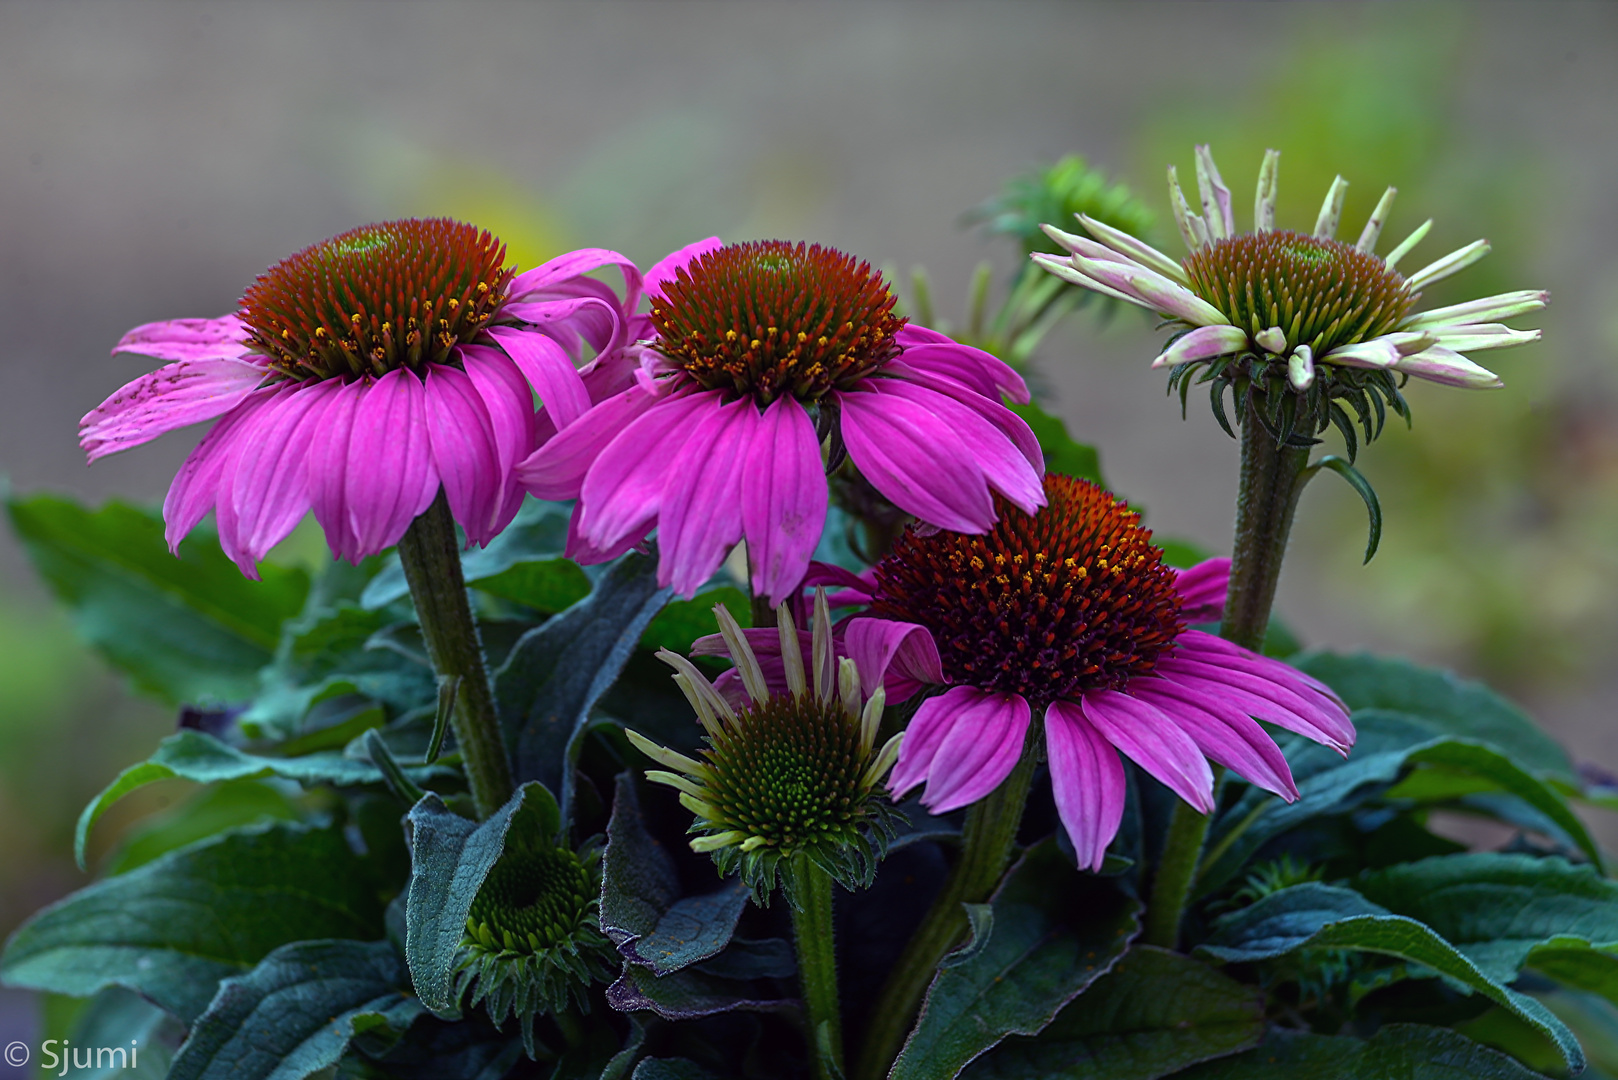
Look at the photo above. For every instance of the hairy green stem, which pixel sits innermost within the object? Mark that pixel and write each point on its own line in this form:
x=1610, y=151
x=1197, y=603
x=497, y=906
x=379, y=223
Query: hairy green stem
x=430, y=552
x=986, y=845
x=817, y=964
x=1272, y=479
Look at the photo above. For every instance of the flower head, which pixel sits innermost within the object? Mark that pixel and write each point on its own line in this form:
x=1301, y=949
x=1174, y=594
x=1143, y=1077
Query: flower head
x=1070, y=614
x=768, y=358
x=1278, y=311
x=365, y=373
x=533, y=938
x=792, y=773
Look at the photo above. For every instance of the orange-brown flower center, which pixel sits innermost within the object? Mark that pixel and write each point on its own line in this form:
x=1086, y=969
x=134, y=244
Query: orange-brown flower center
x=1047, y=605
x=376, y=298
x=772, y=318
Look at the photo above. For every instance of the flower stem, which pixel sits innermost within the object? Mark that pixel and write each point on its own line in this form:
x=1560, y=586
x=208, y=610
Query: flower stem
x=431, y=556
x=817, y=963
x=1272, y=479
x=991, y=832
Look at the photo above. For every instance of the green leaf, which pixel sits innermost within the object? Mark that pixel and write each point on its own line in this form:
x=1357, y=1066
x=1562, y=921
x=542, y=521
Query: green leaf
x=117, y=1022
x=1497, y=908
x=1055, y=932
x=1154, y=1013
x=193, y=755
x=692, y=929
x=208, y=812
x=1396, y=1052
x=187, y=629
x=450, y=857
x=296, y=1012
x=670, y=1069
x=173, y=928
x=1063, y=454
x=1445, y=702
x=538, y=534
x=1476, y=767
x=1315, y=916
x=1362, y=487
x=557, y=672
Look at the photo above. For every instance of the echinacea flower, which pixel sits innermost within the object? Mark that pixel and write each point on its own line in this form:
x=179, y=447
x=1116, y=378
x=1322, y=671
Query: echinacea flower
x=364, y=374
x=794, y=772
x=763, y=352
x=1070, y=613
x=1305, y=310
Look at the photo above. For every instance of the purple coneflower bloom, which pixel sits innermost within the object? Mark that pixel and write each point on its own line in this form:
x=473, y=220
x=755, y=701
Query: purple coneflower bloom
x=763, y=352
x=1292, y=299
x=1071, y=613
x=362, y=375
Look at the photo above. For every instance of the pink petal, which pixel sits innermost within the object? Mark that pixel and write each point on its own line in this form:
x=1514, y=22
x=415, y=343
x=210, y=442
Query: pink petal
x=1227, y=735
x=328, y=473
x=623, y=491
x=510, y=404
x=576, y=264
x=669, y=266
x=548, y=369
x=1202, y=590
x=465, y=453
x=928, y=728
x=196, y=486
x=1151, y=738
x=1203, y=343
x=701, y=516
x=175, y=395
x=1234, y=676
x=557, y=469
x=982, y=371
x=268, y=490
x=572, y=321
x=1009, y=423
x=1003, y=464
x=1087, y=780
x=391, y=478
x=223, y=338
x=913, y=458
x=853, y=588
x=783, y=498
x=980, y=750
x=1213, y=649
x=900, y=657
x=585, y=553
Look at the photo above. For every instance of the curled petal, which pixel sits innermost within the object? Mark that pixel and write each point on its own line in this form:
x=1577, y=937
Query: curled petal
x=1087, y=781
x=1064, y=269
x=1379, y=218
x=1446, y=366
x=548, y=370
x=1215, y=196
x=1453, y=263
x=174, y=396
x=1331, y=211
x=1503, y=306
x=983, y=372
x=1154, y=290
x=1203, y=343
x=900, y=657
x=1202, y=590
x=575, y=264
x=1136, y=249
x=666, y=268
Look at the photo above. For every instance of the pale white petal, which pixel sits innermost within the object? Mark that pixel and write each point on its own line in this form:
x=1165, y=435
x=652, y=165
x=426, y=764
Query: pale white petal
x=1301, y=368
x=1137, y=249
x=1379, y=218
x=1446, y=366
x=1331, y=211
x=1376, y=353
x=1063, y=269
x=1192, y=228
x=1215, y=197
x=1203, y=343
x=1409, y=242
x=1482, y=336
x=1269, y=175
x=1273, y=340
x=1503, y=306
x=1156, y=290
x=1452, y=263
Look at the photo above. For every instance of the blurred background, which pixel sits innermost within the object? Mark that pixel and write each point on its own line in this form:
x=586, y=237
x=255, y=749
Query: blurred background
x=154, y=157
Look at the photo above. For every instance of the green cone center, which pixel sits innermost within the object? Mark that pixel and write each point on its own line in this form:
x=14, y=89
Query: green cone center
x=531, y=900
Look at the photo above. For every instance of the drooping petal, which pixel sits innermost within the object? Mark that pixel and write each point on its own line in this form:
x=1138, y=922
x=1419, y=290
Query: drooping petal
x=548, y=370
x=1226, y=735
x=1216, y=650
x=1087, y=780
x=1153, y=289
x=700, y=519
x=558, y=468
x=980, y=749
x=391, y=475
x=465, y=454
x=624, y=490
x=174, y=396
x=933, y=722
x=1266, y=689
x=548, y=275
x=196, y=485
x=916, y=461
x=989, y=407
x=328, y=474
x=783, y=498
x=900, y=657
x=666, y=268
x=1064, y=269
x=983, y=372
x=509, y=402
x=1003, y=464
x=1151, y=739
x=186, y=339
x=1201, y=344
x=1202, y=590
x=268, y=487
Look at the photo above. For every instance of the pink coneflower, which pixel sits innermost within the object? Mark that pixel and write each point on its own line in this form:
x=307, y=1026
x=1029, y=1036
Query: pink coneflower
x=1070, y=612
x=362, y=375
x=763, y=353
